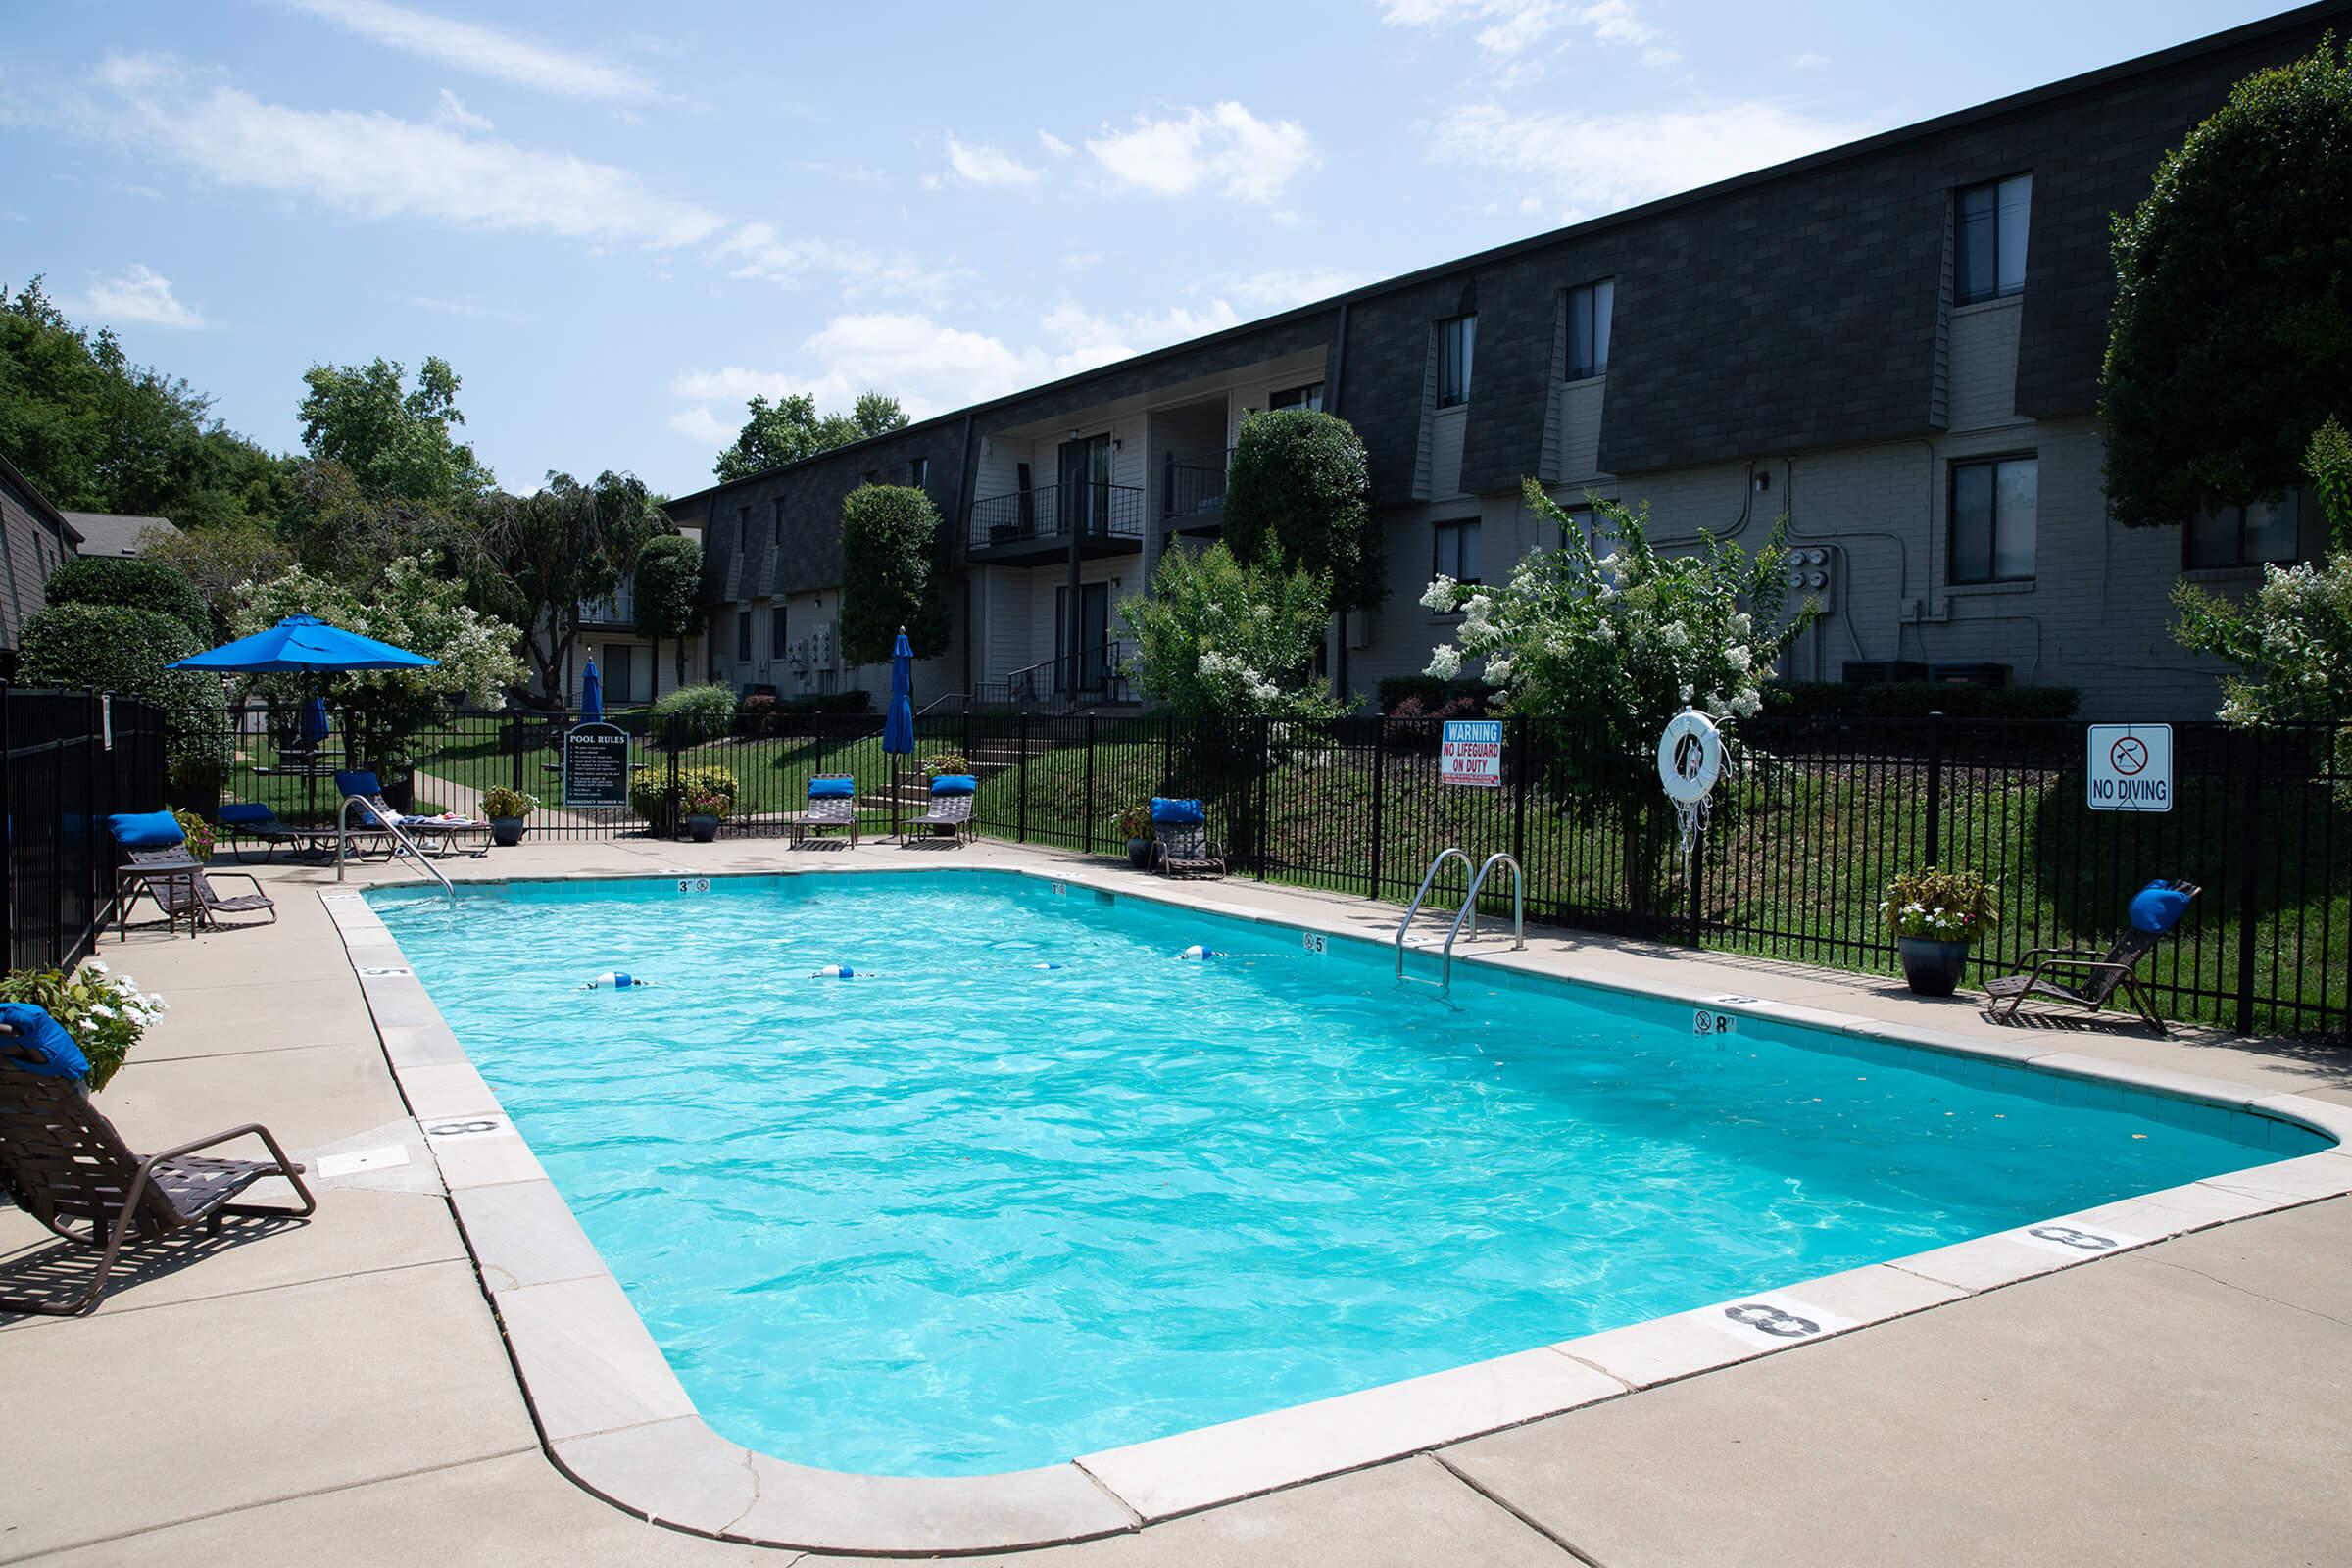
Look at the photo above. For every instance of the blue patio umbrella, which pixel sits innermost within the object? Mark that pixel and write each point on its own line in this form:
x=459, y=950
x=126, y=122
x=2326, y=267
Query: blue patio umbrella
x=897, y=729
x=591, y=696
x=315, y=725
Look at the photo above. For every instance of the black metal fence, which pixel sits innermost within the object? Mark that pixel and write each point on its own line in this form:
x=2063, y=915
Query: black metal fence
x=1811, y=822
x=68, y=761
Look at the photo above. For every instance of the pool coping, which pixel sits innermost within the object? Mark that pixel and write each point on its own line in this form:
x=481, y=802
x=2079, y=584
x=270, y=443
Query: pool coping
x=614, y=1416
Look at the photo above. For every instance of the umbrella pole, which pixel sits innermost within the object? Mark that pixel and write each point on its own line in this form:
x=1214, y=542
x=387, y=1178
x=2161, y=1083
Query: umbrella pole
x=894, y=799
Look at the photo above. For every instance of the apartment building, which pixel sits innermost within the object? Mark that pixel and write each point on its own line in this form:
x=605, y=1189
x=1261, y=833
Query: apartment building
x=1895, y=342
x=35, y=539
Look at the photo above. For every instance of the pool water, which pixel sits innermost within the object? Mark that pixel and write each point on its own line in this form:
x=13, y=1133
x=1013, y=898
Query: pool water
x=1031, y=1186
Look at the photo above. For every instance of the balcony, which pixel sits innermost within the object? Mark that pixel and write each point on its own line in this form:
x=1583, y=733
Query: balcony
x=619, y=610
x=1029, y=527
x=1192, y=493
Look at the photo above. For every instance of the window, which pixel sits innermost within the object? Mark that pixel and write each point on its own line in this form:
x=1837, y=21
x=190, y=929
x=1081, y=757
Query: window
x=1994, y=520
x=1457, y=551
x=743, y=527
x=1991, y=260
x=1310, y=396
x=775, y=631
x=777, y=522
x=1458, y=340
x=2245, y=536
x=1588, y=328
x=918, y=474
x=742, y=636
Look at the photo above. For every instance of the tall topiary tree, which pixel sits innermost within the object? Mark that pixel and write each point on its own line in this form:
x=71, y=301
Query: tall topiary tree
x=891, y=573
x=123, y=649
x=670, y=593
x=1299, y=486
x=2232, y=319
x=133, y=583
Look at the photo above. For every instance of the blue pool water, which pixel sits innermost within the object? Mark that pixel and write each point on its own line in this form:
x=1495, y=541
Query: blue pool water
x=969, y=1213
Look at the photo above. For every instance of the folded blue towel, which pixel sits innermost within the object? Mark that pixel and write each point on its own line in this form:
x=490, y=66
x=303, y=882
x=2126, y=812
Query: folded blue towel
x=361, y=783
x=1176, y=813
x=955, y=784
x=246, y=814
x=2157, y=908
x=60, y=1056
x=832, y=788
x=146, y=830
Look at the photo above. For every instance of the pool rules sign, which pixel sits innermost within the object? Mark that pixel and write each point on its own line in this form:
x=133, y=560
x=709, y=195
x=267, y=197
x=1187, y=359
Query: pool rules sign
x=1471, y=753
x=2131, y=767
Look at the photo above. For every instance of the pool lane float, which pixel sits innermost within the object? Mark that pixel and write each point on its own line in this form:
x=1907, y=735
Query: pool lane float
x=617, y=979
x=838, y=971
x=1199, y=954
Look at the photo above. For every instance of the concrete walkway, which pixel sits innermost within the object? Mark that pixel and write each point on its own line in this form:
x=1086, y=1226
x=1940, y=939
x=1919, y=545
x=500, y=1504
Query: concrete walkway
x=338, y=1392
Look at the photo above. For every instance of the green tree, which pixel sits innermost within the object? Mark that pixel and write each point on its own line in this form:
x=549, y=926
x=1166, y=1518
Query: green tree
x=396, y=442
x=670, y=593
x=123, y=649
x=1618, y=645
x=2233, y=318
x=790, y=429
x=892, y=573
x=565, y=545
x=339, y=531
x=219, y=562
x=1301, y=487
x=1220, y=639
x=138, y=583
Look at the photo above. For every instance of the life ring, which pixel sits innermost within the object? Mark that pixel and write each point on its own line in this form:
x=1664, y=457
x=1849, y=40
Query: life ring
x=1689, y=757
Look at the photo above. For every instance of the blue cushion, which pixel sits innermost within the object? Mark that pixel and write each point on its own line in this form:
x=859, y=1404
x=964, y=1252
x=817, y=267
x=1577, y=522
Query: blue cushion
x=2156, y=908
x=145, y=830
x=1176, y=813
x=955, y=784
x=60, y=1056
x=246, y=814
x=362, y=784
x=832, y=788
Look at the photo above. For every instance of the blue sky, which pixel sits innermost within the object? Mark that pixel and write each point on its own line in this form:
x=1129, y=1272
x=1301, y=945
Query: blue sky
x=618, y=221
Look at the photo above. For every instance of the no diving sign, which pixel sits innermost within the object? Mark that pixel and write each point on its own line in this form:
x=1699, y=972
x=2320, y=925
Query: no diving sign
x=2131, y=767
x=1472, y=751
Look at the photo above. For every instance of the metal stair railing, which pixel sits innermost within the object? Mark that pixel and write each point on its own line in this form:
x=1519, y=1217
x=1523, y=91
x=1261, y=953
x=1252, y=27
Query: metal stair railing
x=1468, y=912
x=399, y=837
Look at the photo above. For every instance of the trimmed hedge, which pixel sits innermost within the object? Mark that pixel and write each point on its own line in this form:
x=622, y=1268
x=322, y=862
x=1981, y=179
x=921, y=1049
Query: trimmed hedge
x=693, y=714
x=115, y=648
x=1300, y=485
x=134, y=584
x=765, y=713
x=1433, y=694
x=1830, y=699
x=891, y=573
x=654, y=798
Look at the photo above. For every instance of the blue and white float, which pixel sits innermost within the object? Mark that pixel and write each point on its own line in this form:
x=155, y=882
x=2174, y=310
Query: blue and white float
x=617, y=979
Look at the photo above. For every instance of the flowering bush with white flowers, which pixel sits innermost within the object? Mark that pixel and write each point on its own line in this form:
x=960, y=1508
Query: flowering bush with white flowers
x=1619, y=643
x=1940, y=905
x=1218, y=639
x=105, y=1012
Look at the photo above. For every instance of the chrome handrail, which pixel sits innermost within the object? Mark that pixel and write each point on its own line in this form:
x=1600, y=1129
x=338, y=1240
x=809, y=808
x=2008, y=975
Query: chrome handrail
x=388, y=825
x=1450, y=852
x=1467, y=912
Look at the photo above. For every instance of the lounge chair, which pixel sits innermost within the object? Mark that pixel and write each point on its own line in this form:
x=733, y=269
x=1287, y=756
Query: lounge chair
x=435, y=835
x=194, y=895
x=239, y=821
x=1180, y=840
x=832, y=802
x=64, y=1162
x=2155, y=909
x=951, y=807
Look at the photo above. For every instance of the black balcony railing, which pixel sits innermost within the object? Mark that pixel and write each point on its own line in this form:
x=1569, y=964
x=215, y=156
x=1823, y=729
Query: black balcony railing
x=1057, y=510
x=1191, y=490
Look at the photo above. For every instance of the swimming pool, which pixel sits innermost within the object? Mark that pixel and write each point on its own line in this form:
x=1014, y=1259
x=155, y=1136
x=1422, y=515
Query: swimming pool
x=969, y=1213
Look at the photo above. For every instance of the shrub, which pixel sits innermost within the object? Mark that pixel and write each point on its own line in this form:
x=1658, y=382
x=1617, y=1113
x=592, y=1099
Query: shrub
x=137, y=585
x=1940, y=905
x=756, y=714
x=104, y=1012
x=1300, y=488
x=946, y=763
x=1134, y=822
x=891, y=573
x=1916, y=699
x=1430, y=694
x=693, y=714
x=500, y=801
x=115, y=648
x=652, y=797
x=1222, y=640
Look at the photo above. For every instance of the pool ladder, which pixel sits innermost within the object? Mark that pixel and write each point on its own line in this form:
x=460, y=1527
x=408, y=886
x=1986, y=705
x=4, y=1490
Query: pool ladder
x=1468, y=911
x=404, y=845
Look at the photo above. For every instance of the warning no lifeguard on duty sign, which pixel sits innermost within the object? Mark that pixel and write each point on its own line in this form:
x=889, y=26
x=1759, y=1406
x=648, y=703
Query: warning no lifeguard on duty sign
x=2131, y=767
x=1472, y=751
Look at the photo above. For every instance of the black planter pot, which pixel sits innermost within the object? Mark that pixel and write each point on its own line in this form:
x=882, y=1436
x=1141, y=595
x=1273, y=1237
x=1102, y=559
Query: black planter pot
x=701, y=829
x=1932, y=968
x=1139, y=853
x=400, y=788
x=505, y=831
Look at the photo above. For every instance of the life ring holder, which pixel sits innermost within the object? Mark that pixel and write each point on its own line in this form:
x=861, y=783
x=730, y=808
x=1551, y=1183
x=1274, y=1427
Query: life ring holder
x=1690, y=762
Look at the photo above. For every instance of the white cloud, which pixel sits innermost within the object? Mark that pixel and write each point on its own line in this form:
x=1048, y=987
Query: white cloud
x=1283, y=287
x=977, y=163
x=1598, y=162
x=1509, y=29
x=1054, y=144
x=758, y=252
x=1250, y=158
x=139, y=295
x=453, y=112
x=482, y=50
x=704, y=427
x=1809, y=61
x=379, y=166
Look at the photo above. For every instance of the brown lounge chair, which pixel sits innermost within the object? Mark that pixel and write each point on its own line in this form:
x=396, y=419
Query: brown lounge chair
x=66, y=1162
x=2102, y=973
x=827, y=810
x=194, y=897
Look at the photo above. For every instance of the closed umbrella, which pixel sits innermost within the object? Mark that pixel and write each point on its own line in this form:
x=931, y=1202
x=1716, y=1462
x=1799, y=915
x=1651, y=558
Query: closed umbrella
x=591, y=696
x=897, y=729
x=315, y=725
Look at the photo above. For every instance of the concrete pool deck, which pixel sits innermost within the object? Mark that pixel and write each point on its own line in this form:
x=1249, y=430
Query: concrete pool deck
x=340, y=1390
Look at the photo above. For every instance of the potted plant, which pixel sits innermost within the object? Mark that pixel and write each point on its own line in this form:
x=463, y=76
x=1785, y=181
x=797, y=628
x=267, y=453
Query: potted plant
x=507, y=809
x=1135, y=822
x=106, y=1013
x=1935, y=918
x=196, y=831
x=704, y=805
